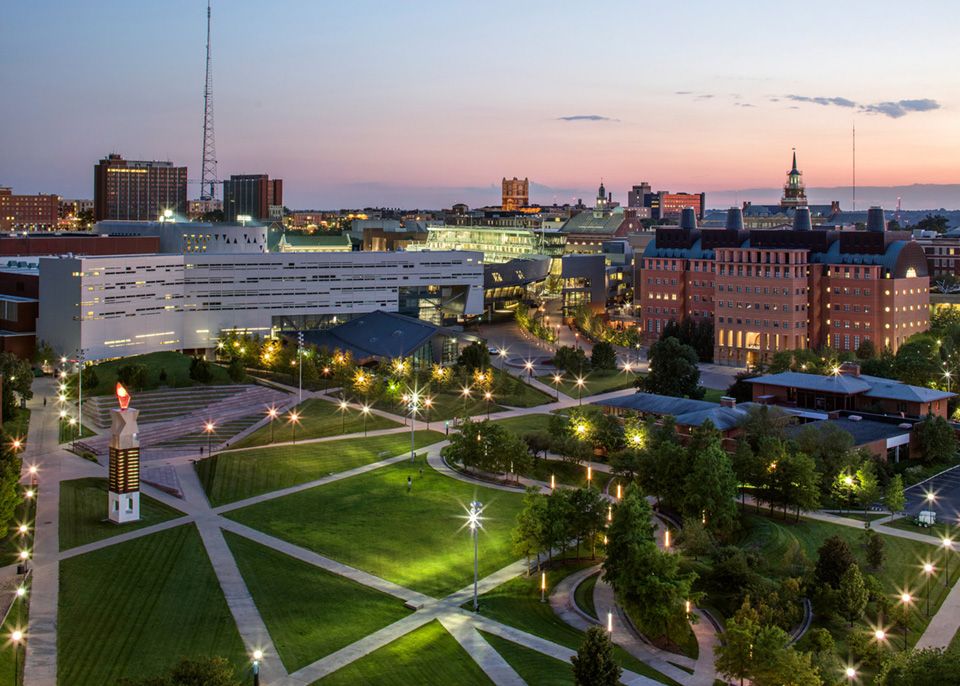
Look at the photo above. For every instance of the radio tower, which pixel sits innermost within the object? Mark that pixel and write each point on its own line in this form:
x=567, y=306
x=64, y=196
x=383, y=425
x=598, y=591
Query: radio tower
x=208, y=173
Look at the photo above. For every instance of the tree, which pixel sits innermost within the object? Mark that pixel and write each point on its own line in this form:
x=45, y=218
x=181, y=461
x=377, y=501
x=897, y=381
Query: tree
x=852, y=594
x=928, y=667
x=917, y=361
x=538, y=442
x=734, y=655
x=17, y=379
x=9, y=483
x=934, y=222
x=868, y=486
x=200, y=370
x=710, y=485
x=212, y=671
x=474, y=356
x=875, y=548
x=867, y=350
x=894, y=496
x=740, y=390
x=594, y=665
x=588, y=512
x=133, y=376
x=631, y=530
x=795, y=482
x=673, y=370
x=695, y=539
x=833, y=559
x=603, y=356
x=571, y=360
x=528, y=531
x=236, y=371
x=936, y=439
x=831, y=449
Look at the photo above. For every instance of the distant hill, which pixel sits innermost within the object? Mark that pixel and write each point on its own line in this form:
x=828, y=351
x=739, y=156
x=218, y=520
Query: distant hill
x=919, y=196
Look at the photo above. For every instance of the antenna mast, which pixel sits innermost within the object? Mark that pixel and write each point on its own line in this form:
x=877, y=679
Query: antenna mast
x=854, y=167
x=208, y=173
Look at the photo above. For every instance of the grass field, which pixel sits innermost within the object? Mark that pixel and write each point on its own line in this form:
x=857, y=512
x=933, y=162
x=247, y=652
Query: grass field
x=309, y=612
x=175, y=364
x=525, y=423
x=532, y=666
x=13, y=542
x=231, y=476
x=713, y=395
x=776, y=542
x=17, y=619
x=134, y=609
x=67, y=433
x=567, y=473
x=428, y=655
x=17, y=425
x=83, y=513
x=318, y=419
x=594, y=382
x=517, y=603
x=583, y=595
x=415, y=539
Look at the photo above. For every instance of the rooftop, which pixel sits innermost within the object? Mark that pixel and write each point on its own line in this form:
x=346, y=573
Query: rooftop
x=377, y=334
x=845, y=384
x=863, y=431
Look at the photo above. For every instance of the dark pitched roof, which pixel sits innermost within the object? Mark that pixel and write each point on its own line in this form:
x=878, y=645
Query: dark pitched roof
x=863, y=431
x=870, y=386
x=658, y=404
x=377, y=334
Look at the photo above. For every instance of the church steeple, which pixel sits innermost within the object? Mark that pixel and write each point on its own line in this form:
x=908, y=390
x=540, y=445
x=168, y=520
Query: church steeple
x=793, y=169
x=794, y=194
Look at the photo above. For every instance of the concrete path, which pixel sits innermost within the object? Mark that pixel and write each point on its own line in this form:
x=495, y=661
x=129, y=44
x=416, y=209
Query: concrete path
x=945, y=624
x=490, y=661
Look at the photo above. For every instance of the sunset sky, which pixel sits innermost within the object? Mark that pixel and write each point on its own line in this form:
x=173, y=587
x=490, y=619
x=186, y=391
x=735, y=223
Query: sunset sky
x=427, y=103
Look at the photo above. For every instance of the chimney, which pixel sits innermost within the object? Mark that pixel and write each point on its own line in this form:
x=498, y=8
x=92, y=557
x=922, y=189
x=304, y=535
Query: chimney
x=735, y=219
x=850, y=368
x=801, y=219
x=727, y=401
x=688, y=218
x=875, y=219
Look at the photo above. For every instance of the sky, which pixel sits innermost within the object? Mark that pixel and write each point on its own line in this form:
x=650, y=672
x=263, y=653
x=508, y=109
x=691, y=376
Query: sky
x=423, y=104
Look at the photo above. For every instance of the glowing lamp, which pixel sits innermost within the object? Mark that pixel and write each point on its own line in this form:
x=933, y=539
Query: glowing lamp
x=122, y=396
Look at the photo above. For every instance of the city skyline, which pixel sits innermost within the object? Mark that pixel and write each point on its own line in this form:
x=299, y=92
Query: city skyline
x=376, y=105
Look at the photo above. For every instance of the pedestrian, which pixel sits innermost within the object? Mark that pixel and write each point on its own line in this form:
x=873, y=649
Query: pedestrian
x=201, y=451
x=421, y=472
x=44, y=401
x=409, y=483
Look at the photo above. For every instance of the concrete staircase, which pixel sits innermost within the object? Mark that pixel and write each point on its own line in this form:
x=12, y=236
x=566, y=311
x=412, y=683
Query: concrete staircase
x=236, y=410
x=161, y=405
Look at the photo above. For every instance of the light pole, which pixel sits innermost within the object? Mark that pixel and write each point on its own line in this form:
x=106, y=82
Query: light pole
x=208, y=429
x=928, y=570
x=300, y=364
x=414, y=400
x=475, y=520
x=947, y=544
x=16, y=637
x=272, y=414
x=465, y=392
x=294, y=420
x=365, y=409
x=557, y=379
x=427, y=404
x=488, y=396
x=850, y=673
x=257, y=656
x=580, y=383
x=906, y=599
x=528, y=366
x=343, y=416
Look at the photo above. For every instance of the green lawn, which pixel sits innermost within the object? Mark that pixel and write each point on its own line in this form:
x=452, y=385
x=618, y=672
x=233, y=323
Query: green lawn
x=428, y=655
x=83, y=513
x=713, y=395
x=533, y=667
x=318, y=419
x=583, y=595
x=416, y=539
x=309, y=612
x=594, y=382
x=777, y=540
x=13, y=542
x=517, y=604
x=525, y=423
x=134, y=609
x=67, y=433
x=175, y=364
x=16, y=426
x=568, y=473
x=955, y=642
x=235, y=475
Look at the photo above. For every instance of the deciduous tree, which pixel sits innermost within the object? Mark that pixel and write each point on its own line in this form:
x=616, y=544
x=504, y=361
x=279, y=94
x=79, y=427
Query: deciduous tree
x=673, y=370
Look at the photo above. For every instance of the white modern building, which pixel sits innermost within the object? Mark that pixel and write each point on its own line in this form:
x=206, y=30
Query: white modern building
x=116, y=306
x=192, y=237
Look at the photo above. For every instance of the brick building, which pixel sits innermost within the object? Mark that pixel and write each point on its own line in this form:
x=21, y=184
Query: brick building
x=39, y=211
x=773, y=290
x=252, y=195
x=515, y=193
x=137, y=190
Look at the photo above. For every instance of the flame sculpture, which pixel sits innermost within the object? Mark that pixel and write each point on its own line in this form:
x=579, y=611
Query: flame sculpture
x=122, y=396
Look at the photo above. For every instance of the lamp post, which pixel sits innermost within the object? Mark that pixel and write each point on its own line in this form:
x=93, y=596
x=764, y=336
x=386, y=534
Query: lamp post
x=272, y=414
x=33, y=475
x=557, y=378
x=947, y=544
x=850, y=673
x=580, y=383
x=294, y=420
x=928, y=570
x=208, y=429
x=906, y=599
x=488, y=396
x=528, y=366
x=365, y=409
x=465, y=393
x=427, y=404
x=475, y=521
x=414, y=401
x=257, y=657
x=343, y=415
x=16, y=637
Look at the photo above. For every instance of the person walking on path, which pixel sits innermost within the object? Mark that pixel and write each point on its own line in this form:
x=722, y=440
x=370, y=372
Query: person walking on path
x=409, y=483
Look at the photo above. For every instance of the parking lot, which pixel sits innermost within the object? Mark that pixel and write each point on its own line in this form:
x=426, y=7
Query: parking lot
x=945, y=488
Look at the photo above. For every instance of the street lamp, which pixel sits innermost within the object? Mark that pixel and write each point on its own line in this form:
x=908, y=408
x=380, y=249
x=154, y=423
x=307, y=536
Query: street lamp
x=23, y=529
x=344, y=405
x=557, y=379
x=475, y=521
x=465, y=393
x=33, y=475
x=414, y=402
x=272, y=413
x=947, y=544
x=528, y=365
x=365, y=410
x=208, y=428
x=257, y=657
x=850, y=673
x=17, y=638
x=580, y=382
x=488, y=396
x=928, y=570
x=294, y=420
x=906, y=599
x=427, y=404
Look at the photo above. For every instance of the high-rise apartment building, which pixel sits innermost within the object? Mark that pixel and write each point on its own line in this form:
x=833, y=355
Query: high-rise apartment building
x=663, y=204
x=39, y=211
x=138, y=190
x=515, y=192
x=251, y=195
x=773, y=290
